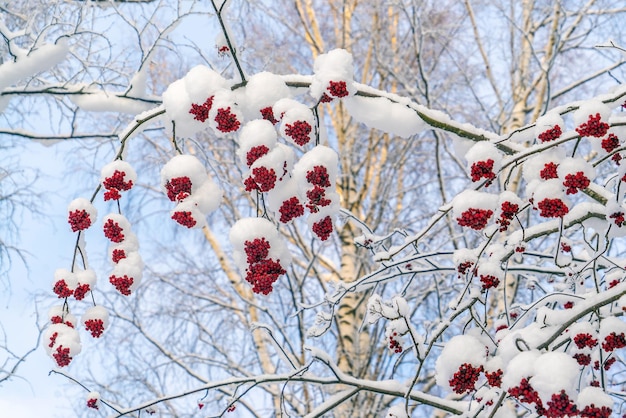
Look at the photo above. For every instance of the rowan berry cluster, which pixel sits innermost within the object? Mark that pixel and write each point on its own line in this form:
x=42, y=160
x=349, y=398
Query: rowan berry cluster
x=494, y=378
x=226, y=120
x=549, y=171
x=262, y=179
x=394, y=344
x=614, y=341
x=483, y=169
x=507, y=213
x=560, y=405
x=552, y=208
x=178, y=188
x=610, y=142
x=618, y=218
x=185, y=218
x=268, y=114
x=337, y=88
x=464, y=266
x=593, y=127
x=290, y=209
x=550, y=134
x=299, y=131
x=201, y=111
x=489, y=281
x=255, y=153
x=95, y=327
x=113, y=231
x=464, y=380
x=525, y=393
x=592, y=411
x=262, y=272
x=583, y=340
x=475, y=218
x=79, y=220
x=122, y=284
x=575, y=182
x=323, y=228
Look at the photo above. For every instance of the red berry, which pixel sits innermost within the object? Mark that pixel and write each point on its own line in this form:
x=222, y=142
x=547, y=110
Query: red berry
x=317, y=197
x=591, y=411
x=507, y=213
x=610, y=143
x=495, y=378
x=464, y=266
x=619, y=218
x=263, y=179
x=256, y=250
x=81, y=291
x=489, y=281
x=325, y=98
x=560, y=405
x=585, y=340
x=549, y=171
x=613, y=341
x=92, y=403
x=568, y=305
x=318, y=176
x=263, y=274
x=62, y=356
x=582, y=359
x=117, y=255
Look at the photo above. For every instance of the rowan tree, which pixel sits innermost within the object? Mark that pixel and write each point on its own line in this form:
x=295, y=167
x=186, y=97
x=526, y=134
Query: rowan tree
x=424, y=225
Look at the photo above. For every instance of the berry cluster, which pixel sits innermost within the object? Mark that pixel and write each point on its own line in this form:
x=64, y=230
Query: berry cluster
x=116, y=184
x=610, y=143
x=464, y=266
x=92, y=403
x=317, y=197
x=616, y=158
x=61, y=289
x=550, y=134
x=255, y=153
x=593, y=127
x=337, y=88
x=299, y=131
x=592, y=411
x=494, y=378
x=81, y=291
x=526, y=394
x=489, y=281
x=613, y=341
x=262, y=271
x=79, y=220
x=566, y=248
x=552, y=208
x=117, y=255
x=95, y=327
x=508, y=211
x=585, y=340
x=465, y=378
x=560, y=405
x=583, y=359
x=318, y=176
x=475, y=218
x=290, y=209
x=226, y=120
x=268, y=114
x=262, y=179
x=178, y=188
x=394, y=345
x=549, y=171
x=113, y=231
x=323, y=228
x=122, y=284
x=483, y=169
x=618, y=218
x=325, y=98
x=201, y=112
x=568, y=305
x=62, y=356
x=185, y=218
x=575, y=182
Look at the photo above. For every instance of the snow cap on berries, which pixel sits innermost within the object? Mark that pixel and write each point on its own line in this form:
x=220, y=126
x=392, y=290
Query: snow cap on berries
x=544, y=165
x=93, y=400
x=458, y=351
x=319, y=156
x=333, y=75
x=256, y=139
x=81, y=214
x=549, y=127
x=181, y=176
x=285, y=201
x=549, y=198
x=117, y=176
x=555, y=372
x=95, y=320
x=247, y=229
x=591, y=108
x=576, y=174
x=86, y=281
x=261, y=92
x=126, y=275
x=483, y=161
x=64, y=283
x=594, y=396
x=225, y=116
x=201, y=82
x=58, y=314
x=383, y=114
x=116, y=227
x=62, y=343
x=474, y=209
x=297, y=122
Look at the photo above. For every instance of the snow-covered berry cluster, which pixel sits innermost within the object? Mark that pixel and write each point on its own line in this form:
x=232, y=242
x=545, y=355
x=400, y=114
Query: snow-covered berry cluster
x=124, y=254
x=474, y=209
x=260, y=252
x=186, y=182
x=77, y=284
x=81, y=214
x=117, y=176
x=594, y=126
x=484, y=161
x=333, y=75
